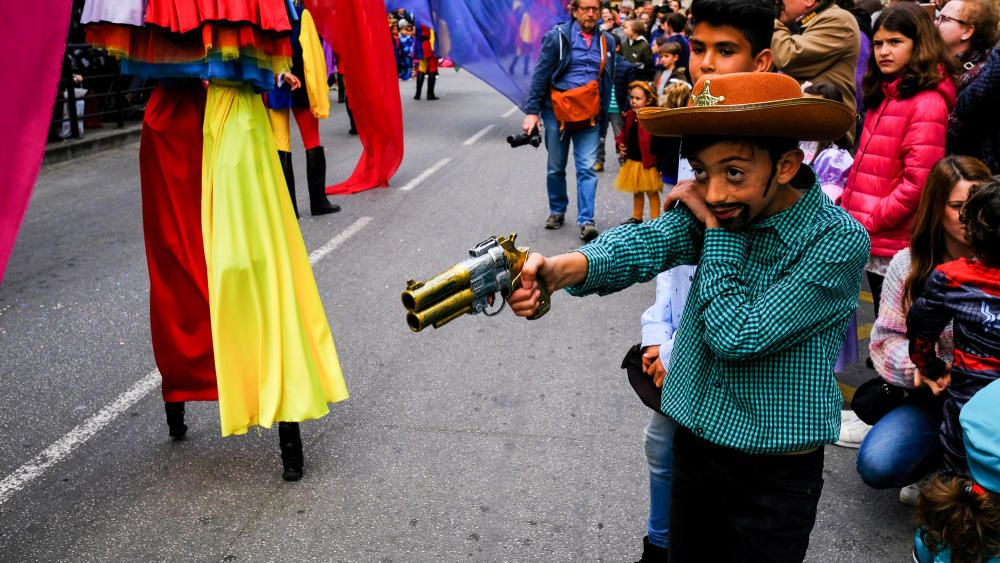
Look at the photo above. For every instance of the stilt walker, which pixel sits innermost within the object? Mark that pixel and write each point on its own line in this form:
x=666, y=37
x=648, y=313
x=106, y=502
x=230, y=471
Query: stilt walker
x=309, y=102
x=235, y=312
x=427, y=68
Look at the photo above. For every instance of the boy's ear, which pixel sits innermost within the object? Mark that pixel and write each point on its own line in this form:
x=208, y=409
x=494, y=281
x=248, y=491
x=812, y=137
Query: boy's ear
x=789, y=166
x=763, y=61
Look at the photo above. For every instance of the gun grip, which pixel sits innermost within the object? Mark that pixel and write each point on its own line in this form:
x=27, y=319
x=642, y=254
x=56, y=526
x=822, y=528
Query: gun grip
x=544, y=302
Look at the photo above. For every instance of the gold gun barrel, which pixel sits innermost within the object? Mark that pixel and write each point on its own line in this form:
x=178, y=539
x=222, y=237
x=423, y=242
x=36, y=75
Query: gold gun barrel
x=441, y=313
x=422, y=295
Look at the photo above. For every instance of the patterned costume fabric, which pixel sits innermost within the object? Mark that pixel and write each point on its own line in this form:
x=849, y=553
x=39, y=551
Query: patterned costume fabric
x=752, y=367
x=967, y=293
x=235, y=310
x=241, y=41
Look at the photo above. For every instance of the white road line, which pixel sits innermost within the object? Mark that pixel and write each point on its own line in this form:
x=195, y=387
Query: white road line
x=510, y=112
x=63, y=447
x=338, y=240
x=424, y=175
x=478, y=135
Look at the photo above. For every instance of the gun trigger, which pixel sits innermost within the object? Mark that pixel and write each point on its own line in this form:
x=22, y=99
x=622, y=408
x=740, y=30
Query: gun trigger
x=503, y=303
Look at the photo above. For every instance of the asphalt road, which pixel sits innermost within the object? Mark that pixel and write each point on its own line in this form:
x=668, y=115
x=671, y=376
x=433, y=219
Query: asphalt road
x=492, y=439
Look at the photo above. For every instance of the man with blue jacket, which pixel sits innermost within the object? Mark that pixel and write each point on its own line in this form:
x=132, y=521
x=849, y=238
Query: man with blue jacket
x=574, y=54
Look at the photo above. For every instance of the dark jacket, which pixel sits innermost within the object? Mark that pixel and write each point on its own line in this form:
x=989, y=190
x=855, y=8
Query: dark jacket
x=978, y=130
x=640, y=54
x=624, y=74
x=553, y=62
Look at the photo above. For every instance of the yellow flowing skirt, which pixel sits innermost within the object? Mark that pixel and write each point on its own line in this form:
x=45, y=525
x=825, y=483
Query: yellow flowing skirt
x=633, y=177
x=275, y=358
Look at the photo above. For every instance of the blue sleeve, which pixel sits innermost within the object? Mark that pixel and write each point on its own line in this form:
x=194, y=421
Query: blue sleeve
x=925, y=321
x=548, y=60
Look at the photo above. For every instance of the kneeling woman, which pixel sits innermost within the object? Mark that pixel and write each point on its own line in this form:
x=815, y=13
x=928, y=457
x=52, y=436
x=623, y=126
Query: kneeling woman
x=904, y=446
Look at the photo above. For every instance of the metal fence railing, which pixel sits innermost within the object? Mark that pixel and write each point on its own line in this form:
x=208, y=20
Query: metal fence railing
x=110, y=97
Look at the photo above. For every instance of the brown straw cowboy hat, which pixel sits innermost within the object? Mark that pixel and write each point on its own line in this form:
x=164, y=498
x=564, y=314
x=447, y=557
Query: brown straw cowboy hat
x=751, y=104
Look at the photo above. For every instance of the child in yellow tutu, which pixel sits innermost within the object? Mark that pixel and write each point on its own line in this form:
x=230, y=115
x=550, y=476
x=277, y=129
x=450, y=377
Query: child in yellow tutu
x=638, y=175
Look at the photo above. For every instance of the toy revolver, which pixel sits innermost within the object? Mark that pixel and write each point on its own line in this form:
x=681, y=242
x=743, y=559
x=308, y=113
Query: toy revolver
x=494, y=266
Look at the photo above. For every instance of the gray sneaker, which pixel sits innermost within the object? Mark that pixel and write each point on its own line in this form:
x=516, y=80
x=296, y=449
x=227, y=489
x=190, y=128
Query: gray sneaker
x=588, y=232
x=909, y=494
x=555, y=221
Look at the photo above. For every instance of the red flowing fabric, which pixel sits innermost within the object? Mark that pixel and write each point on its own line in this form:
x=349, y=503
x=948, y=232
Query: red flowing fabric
x=32, y=41
x=359, y=35
x=170, y=154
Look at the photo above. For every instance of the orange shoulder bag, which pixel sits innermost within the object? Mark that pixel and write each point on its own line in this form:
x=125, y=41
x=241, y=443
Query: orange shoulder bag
x=578, y=108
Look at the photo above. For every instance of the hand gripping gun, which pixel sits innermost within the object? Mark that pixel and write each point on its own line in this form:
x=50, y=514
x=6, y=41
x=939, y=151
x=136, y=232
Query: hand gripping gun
x=494, y=266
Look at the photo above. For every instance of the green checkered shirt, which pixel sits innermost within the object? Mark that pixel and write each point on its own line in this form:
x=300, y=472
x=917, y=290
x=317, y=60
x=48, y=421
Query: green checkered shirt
x=752, y=366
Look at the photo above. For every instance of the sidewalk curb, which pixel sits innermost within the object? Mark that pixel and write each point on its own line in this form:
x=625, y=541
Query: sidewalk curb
x=91, y=143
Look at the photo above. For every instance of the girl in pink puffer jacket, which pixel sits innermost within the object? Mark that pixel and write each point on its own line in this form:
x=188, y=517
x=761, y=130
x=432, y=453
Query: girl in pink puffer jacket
x=908, y=92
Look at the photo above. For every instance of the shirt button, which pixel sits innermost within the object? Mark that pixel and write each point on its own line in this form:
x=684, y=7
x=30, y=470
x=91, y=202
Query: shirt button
x=699, y=431
x=717, y=384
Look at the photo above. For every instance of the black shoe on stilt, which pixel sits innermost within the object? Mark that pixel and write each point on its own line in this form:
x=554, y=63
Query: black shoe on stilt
x=175, y=420
x=431, y=80
x=350, y=117
x=420, y=85
x=286, y=166
x=316, y=176
x=291, y=450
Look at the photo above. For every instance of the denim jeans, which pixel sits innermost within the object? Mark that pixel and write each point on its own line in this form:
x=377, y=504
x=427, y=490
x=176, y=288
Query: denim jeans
x=730, y=506
x=616, y=123
x=584, y=155
x=902, y=447
x=660, y=459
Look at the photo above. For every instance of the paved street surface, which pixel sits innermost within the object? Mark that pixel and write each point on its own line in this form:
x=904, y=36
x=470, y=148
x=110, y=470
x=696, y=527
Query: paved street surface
x=492, y=439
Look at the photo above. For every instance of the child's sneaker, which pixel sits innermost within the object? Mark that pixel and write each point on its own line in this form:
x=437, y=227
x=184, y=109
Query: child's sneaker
x=852, y=430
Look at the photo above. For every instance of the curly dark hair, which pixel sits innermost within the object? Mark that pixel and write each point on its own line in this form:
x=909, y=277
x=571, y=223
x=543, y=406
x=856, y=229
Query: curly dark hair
x=930, y=61
x=953, y=517
x=981, y=216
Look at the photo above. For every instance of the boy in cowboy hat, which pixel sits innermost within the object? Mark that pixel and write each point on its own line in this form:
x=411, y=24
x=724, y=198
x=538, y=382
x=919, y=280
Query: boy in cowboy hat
x=779, y=271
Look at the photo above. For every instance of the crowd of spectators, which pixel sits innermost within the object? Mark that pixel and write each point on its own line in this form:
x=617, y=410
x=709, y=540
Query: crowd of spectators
x=91, y=88
x=921, y=79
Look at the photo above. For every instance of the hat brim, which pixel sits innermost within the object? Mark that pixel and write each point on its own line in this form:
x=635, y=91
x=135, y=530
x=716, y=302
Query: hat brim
x=803, y=119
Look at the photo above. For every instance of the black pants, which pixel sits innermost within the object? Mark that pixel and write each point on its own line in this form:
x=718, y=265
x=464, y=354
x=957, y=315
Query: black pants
x=875, y=283
x=729, y=506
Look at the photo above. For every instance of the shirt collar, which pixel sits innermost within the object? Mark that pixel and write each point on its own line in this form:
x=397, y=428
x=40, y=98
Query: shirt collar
x=792, y=223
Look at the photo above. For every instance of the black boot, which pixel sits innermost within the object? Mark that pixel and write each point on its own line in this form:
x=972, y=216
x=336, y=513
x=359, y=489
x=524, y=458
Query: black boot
x=653, y=553
x=350, y=116
x=291, y=450
x=286, y=166
x=175, y=420
x=316, y=176
x=341, y=93
x=431, y=79
x=420, y=84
